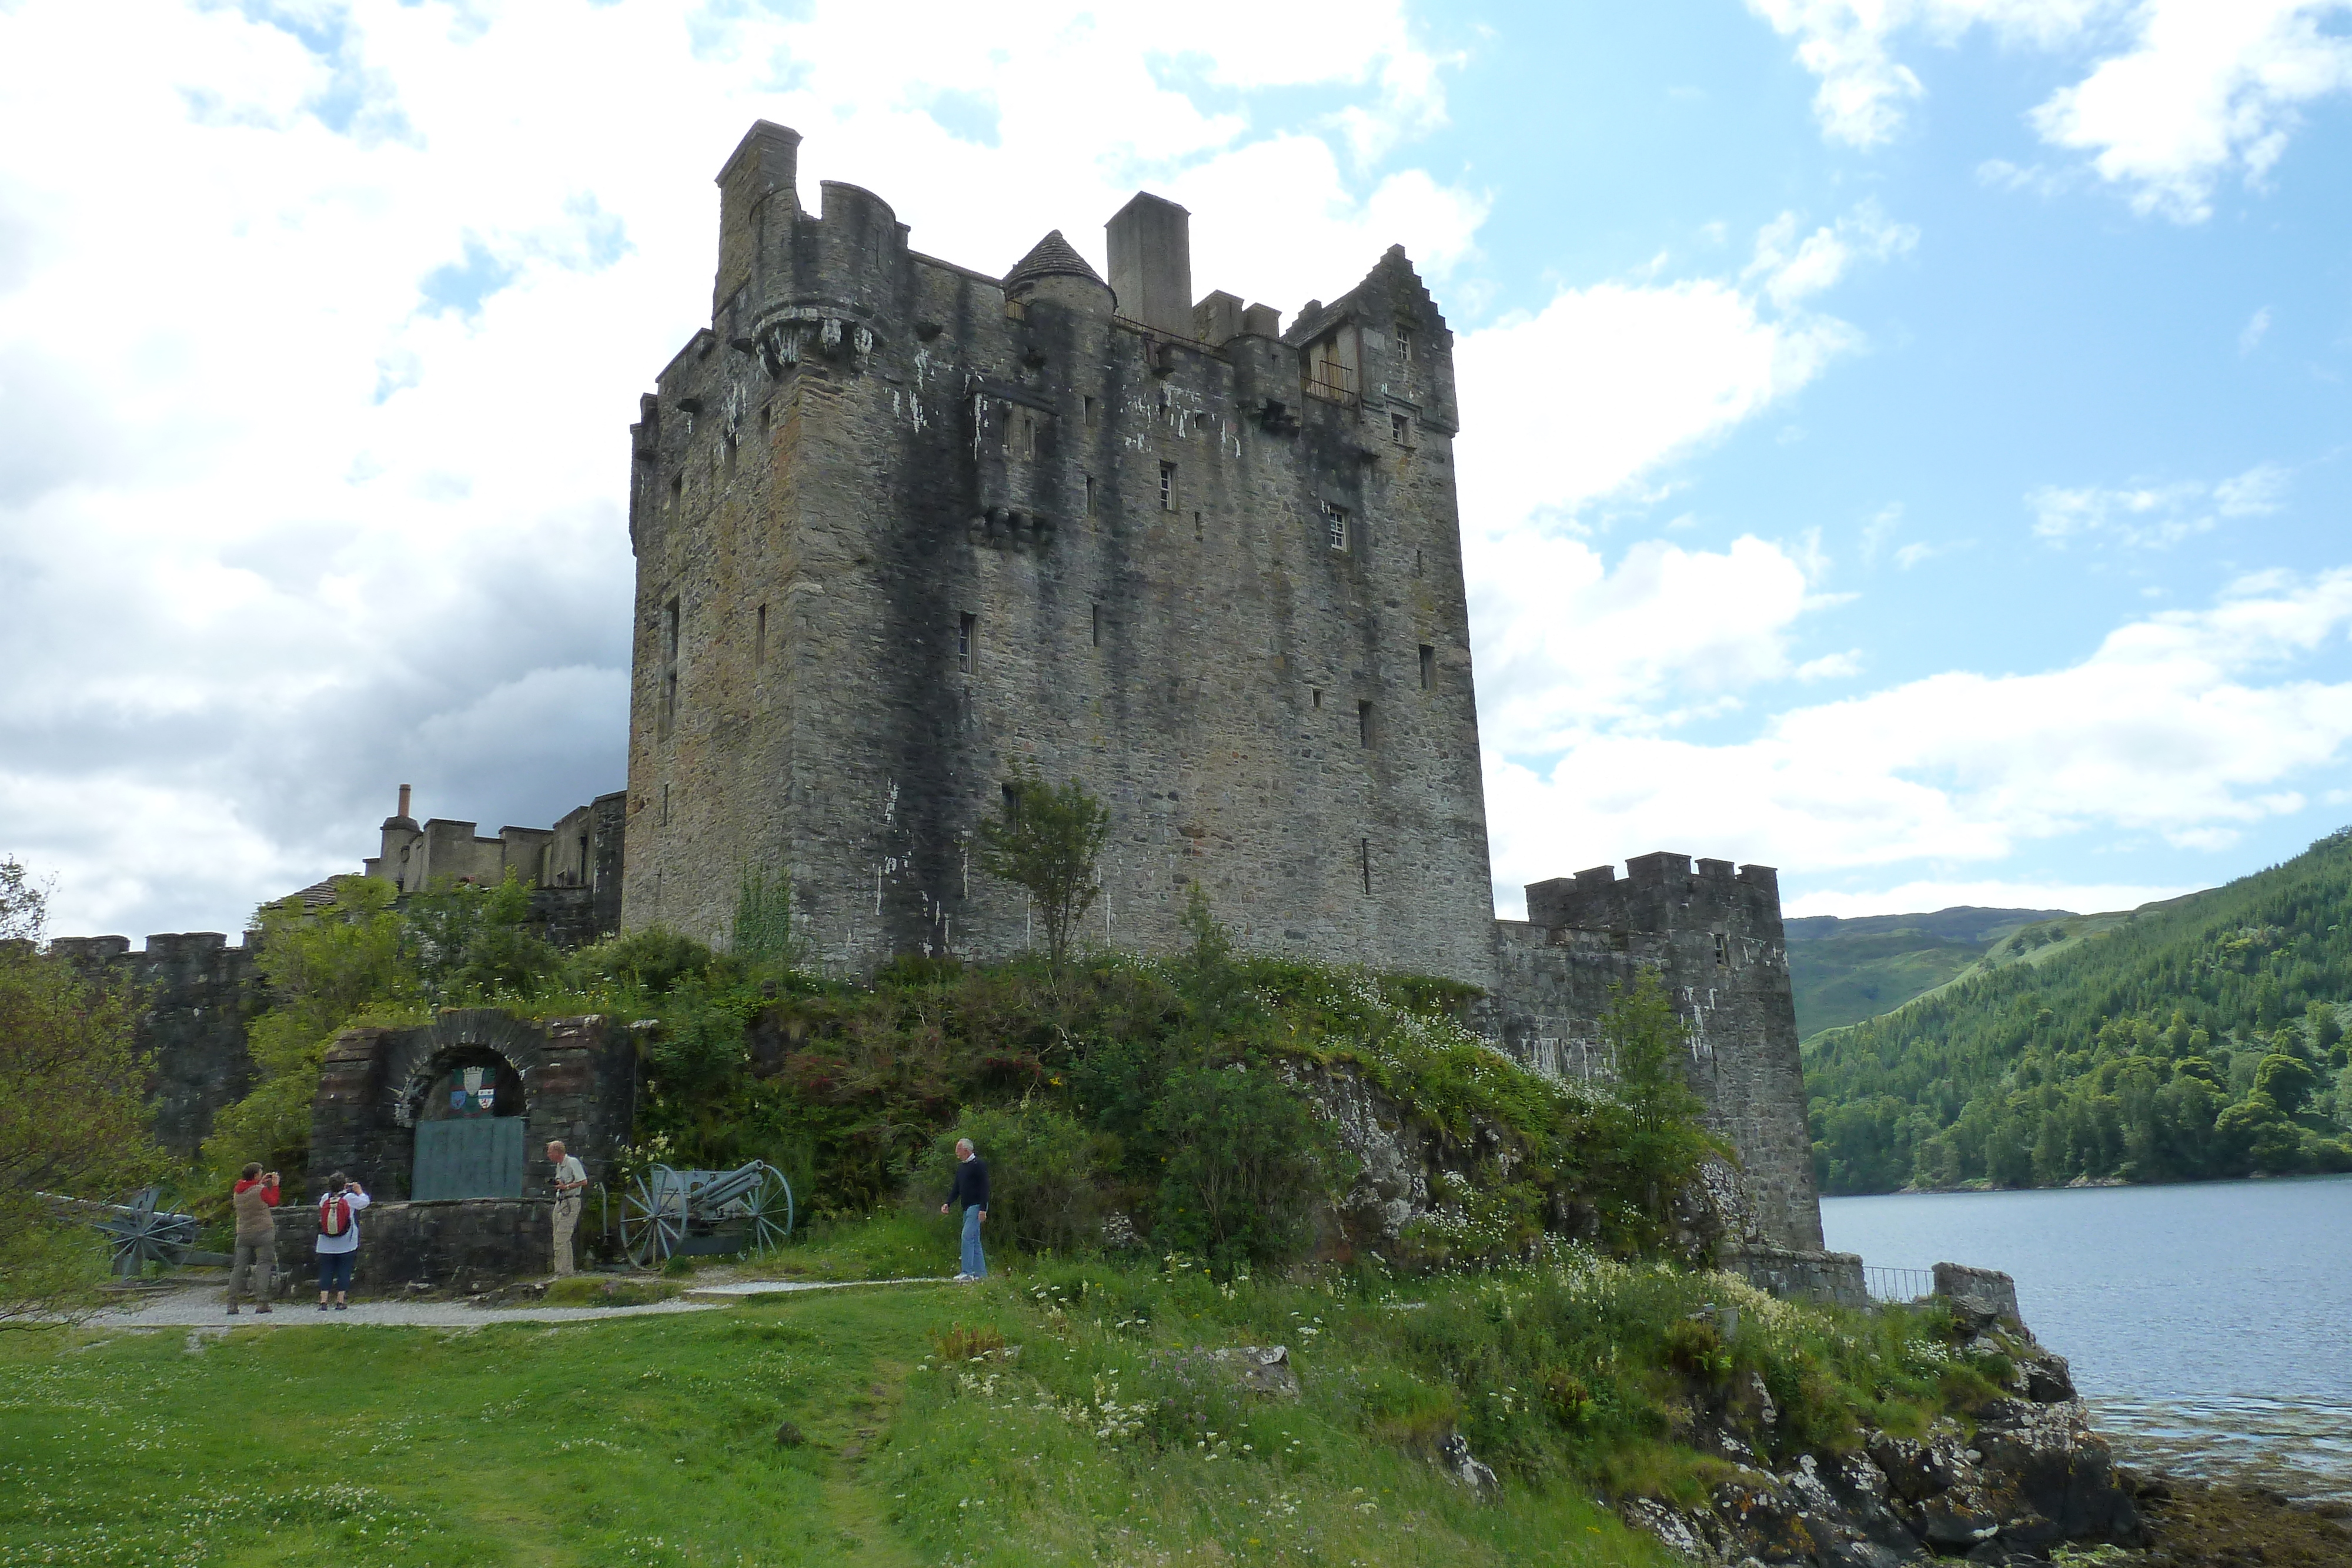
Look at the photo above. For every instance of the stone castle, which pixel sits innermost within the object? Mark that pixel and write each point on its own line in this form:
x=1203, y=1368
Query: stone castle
x=903, y=528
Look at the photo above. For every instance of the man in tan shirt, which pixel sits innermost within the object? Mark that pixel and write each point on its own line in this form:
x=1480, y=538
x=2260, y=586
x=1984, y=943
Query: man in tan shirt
x=570, y=1180
x=255, y=1195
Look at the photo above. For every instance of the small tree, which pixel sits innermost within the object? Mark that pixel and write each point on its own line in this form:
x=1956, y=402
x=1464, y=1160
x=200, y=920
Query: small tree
x=1048, y=841
x=324, y=966
x=1663, y=1143
x=472, y=943
x=73, y=1117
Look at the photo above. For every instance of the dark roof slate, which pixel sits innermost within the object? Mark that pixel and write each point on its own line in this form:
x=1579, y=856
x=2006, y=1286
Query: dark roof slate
x=1051, y=257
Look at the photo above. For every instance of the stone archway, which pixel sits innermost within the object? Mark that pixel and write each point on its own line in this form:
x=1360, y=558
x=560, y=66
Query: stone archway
x=469, y=1127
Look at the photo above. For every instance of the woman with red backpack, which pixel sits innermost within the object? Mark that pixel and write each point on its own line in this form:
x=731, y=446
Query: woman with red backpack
x=339, y=1239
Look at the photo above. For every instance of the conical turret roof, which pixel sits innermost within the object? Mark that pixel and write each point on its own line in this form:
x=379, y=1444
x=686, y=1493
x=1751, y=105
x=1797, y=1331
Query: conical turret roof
x=1051, y=257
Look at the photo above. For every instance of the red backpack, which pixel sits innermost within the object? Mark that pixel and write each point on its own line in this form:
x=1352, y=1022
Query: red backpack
x=334, y=1215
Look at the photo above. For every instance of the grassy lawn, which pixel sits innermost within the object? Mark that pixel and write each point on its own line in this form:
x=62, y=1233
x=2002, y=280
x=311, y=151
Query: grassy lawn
x=654, y=1440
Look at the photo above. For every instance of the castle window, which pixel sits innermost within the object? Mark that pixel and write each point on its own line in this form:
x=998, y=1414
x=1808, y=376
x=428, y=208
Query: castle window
x=1722, y=952
x=967, y=642
x=763, y=422
x=1363, y=724
x=1404, y=344
x=1097, y=626
x=1428, y=666
x=1167, y=487
x=1400, y=428
x=1087, y=405
x=1011, y=803
x=1090, y=495
x=1335, y=524
x=1317, y=692
x=1196, y=525
x=759, y=639
x=670, y=676
x=1416, y=563
x=664, y=805
x=727, y=445
x=1364, y=857
x=1029, y=438
x=677, y=489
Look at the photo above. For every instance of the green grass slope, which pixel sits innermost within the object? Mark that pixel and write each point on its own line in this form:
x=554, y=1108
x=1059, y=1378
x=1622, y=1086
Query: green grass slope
x=2187, y=1040
x=1847, y=970
x=1056, y=1415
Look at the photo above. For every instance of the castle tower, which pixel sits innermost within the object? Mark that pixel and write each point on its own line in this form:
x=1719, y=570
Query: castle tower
x=901, y=525
x=1713, y=937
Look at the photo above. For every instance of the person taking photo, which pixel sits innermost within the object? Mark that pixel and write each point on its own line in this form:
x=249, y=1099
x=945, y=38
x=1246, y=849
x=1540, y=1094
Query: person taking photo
x=339, y=1239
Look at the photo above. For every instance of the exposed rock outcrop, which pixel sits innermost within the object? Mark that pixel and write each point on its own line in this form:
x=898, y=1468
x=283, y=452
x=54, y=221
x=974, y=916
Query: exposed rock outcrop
x=2031, y=1477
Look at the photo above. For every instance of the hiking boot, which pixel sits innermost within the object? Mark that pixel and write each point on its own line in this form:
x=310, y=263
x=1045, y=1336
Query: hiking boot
x=263, y=1308
x=232, y=1308
x=342, y=1306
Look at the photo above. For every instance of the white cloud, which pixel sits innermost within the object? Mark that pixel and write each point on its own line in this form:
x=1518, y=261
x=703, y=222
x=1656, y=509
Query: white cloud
x=2257, y=327
x=1831, y=666
x=1878, y=530
x=2183, y=92
x=1633, y=374
x=1793, y=270
x=321, y=327
x=2152, y=516
x=2190, y=725
x=1568, y=644
x=1920, y=551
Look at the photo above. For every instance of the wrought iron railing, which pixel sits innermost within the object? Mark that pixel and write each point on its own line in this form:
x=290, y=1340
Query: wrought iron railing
x=1898, y=1284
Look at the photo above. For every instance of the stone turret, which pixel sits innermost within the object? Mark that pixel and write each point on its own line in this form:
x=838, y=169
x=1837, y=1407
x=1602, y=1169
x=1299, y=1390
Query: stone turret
x=1713, y=935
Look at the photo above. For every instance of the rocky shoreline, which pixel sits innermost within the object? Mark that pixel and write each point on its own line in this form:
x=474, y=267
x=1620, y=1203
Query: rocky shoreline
x=2025, y=1482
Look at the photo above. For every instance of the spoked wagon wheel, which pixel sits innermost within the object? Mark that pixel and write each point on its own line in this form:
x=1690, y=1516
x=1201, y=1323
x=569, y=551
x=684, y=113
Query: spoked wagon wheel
x=767, y=1209
x=653, y=1219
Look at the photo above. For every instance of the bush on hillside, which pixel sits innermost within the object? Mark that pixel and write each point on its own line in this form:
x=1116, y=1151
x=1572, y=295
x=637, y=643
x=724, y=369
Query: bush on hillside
x=1046, y=1172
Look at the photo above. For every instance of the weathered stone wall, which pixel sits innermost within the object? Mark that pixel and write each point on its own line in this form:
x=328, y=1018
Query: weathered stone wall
x=578, y=1079
x=201, y=993
x=459, y=1247
x=899, y=525
x=1714, y=936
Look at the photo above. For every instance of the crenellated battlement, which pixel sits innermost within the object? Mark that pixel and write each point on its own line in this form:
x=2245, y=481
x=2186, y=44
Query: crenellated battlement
x=1713, y=935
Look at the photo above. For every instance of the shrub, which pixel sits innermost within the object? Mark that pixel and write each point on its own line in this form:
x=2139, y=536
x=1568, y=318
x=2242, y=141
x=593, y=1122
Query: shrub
x=1246, y=1160
x=1045, y=1175
x=1695, y=1349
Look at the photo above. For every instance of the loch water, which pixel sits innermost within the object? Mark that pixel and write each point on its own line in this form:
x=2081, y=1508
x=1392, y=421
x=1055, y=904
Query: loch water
x=2210, y=1325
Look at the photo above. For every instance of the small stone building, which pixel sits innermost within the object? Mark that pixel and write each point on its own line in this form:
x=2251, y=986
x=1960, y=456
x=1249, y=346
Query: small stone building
x=446, y=1126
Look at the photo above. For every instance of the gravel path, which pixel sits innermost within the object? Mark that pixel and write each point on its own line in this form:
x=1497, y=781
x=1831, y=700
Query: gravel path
x=203, y=1306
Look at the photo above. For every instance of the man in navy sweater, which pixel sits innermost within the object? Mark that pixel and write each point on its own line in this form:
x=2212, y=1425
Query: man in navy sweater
x=971, y=1189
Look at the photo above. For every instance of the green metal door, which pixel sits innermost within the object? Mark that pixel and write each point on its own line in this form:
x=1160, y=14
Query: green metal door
x=468, y=1158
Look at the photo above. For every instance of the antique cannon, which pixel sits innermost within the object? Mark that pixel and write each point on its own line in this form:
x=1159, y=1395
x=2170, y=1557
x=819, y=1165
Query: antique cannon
x=142, y=1232
x=665, y=1213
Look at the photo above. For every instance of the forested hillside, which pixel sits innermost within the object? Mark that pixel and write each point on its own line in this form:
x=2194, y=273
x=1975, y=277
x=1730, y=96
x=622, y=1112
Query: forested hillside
x=2194, y=1039
x=1845, y=970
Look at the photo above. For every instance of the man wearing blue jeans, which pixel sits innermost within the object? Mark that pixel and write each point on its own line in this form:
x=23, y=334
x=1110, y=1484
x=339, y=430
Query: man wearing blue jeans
x=971, y=1189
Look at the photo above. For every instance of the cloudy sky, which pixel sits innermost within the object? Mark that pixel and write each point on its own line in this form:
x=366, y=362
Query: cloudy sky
x=1906, y=441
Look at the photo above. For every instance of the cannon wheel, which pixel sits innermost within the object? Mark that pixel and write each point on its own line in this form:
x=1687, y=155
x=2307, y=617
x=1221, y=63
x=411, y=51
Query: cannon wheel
x=767, y=1211
x=649, y=1232
x=146, y=1230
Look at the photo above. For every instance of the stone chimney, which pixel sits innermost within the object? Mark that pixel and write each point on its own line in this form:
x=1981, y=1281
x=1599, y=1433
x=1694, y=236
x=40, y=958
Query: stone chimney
x=1151, y=263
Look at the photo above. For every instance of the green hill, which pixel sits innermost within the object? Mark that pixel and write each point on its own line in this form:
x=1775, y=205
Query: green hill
x=1847, y=970
x=2193, y=1038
